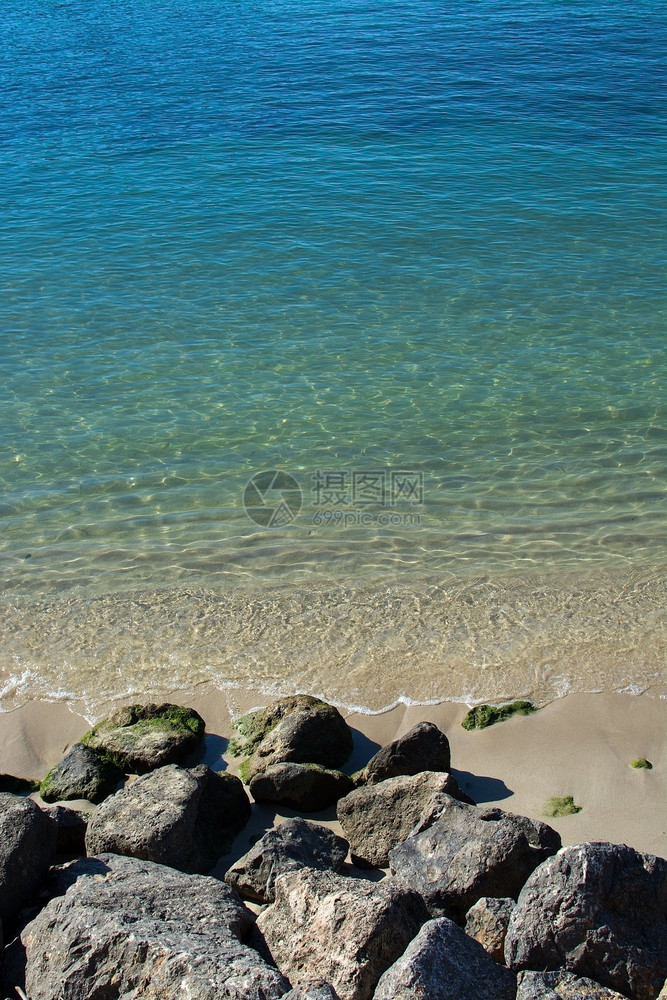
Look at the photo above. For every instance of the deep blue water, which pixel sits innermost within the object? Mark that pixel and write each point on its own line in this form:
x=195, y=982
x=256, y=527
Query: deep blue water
x=418, y=242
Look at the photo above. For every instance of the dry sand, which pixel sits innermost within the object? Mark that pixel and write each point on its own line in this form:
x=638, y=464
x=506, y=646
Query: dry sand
x=579, y=745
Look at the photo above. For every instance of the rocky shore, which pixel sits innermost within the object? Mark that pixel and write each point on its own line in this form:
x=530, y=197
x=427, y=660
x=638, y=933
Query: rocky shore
x=116, y=878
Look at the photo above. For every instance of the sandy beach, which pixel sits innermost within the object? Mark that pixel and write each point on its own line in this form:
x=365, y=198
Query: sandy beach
x=579, y=745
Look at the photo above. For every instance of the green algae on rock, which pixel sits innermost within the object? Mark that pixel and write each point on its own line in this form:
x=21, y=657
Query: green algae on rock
x=140, y=738
x=299, y=729
x=482, y=716
x=81, y=774
x=560, y=805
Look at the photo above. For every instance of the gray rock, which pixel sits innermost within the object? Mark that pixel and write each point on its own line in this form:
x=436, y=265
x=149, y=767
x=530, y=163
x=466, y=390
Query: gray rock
x=141, y=738
x=307, y=787
x=424, y=748
x=174, y=816
x=81, y=774
x=465, y=853
x=487, y=921
x=71, y=826
x=442, y=963
x=300, y=729
x=317, y=989
x=347, y=930
x=544, y=840
x=597, y=910
x=376, y=818
x=27, y=846
x=561, y=985
x=129, y=928
x=295, y=844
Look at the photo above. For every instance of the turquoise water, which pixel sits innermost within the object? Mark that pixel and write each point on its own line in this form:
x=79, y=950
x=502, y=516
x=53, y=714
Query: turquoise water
x=357, y=244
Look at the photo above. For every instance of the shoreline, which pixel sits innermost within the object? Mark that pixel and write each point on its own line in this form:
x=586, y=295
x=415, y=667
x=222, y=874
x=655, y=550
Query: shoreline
x=369, y=645
x=579, y=745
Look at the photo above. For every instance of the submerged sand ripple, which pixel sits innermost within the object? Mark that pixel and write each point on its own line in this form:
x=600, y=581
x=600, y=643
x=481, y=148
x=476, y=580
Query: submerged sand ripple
x=481, y=638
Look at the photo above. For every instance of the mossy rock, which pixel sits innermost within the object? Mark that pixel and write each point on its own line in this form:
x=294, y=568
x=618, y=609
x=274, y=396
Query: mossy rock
x=482, y=716
x=18, y=786
x=141, y=738
x=560, y=805
x=300, y=729
x=81, y=774
x=641, y=762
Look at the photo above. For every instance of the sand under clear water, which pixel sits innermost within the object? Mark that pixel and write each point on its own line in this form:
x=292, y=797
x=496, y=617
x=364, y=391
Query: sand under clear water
x=363, y=252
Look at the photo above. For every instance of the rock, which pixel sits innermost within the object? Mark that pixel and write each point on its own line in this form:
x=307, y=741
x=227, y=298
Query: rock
x=348, y=930
x=376, y=818
x=443, y=963
x=307, y=787
x=487, y=921
x=465, y=853
x=300, y=729
x=174, y=816
x=561, y=985
x=295, y=844
x=597, y=910
x=424, y=748
x=130, y=928
x=27, y=846
x=71, y=825
x=544, y=840
x=81, y=774
x=141, y=738
x=317, y=989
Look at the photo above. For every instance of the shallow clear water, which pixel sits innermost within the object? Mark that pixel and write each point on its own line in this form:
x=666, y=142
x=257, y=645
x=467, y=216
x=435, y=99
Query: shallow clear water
x=412, y=256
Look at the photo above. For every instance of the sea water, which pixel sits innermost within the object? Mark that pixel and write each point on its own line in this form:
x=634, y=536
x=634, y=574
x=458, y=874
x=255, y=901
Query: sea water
x=332, y=348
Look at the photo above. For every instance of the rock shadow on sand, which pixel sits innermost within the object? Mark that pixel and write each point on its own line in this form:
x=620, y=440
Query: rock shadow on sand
x=362, y=751
x=210, y=751
x=482, y=788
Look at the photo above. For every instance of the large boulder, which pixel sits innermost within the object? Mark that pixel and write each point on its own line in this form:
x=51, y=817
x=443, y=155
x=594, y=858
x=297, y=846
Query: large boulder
x=295, y=844
x=424, y=748
x=347, y=930
x=184, y=818
x=376, y=818
x=306, y=787
x=487, y=921
x=141, y=738
x=466, y=853
x=443, y=963
x=560, y=985
x=599, y=911
x=81, y=774
x=124, y=928
x=300, y=729
x=27, y=847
